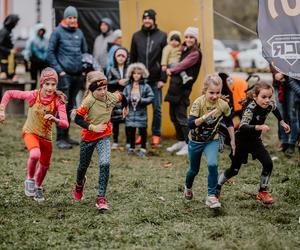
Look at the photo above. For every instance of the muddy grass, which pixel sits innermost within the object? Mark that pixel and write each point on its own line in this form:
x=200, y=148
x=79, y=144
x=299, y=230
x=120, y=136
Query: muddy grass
x=147, y=210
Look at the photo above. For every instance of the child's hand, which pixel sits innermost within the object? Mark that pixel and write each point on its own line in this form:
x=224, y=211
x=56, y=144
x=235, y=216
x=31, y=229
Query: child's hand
x=285, y=126
x=122, y=82
x=51, y=118
x=100, y=127
x=264, y=128
x=169, y=72
x=125, y=112
x=209, y=114
x=2, y=116
x=163, y=68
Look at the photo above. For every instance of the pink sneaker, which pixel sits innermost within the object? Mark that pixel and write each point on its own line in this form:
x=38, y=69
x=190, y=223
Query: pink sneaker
x=101, y=203
x=78, y=193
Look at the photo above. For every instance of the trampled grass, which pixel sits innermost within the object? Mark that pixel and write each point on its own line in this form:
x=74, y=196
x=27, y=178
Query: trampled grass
x=147, y=210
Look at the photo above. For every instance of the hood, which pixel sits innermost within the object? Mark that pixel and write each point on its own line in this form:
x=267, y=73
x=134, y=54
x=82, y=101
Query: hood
x=174, y=32
x=38, y=27
x=11, y=21
x=108, y=21
x=133, y=66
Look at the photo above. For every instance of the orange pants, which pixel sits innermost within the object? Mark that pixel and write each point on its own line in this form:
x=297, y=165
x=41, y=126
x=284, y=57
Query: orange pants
x=45, y=146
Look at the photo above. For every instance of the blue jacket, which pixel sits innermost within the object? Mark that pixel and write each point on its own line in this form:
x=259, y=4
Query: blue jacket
x=65, y=50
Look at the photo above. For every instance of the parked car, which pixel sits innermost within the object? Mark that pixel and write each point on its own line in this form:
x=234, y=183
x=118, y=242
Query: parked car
x=252, y=57
x=222, y=58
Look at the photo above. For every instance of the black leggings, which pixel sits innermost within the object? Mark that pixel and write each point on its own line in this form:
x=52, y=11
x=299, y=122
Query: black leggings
x=258, y=151
x=143, y=134
x=116, y=130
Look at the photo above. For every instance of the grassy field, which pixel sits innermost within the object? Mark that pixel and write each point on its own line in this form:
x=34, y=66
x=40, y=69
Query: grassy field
x=147, y=210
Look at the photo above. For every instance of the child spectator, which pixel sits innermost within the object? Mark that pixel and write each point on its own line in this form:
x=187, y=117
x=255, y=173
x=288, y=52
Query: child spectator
x=138, y=94
x=171, y=54
x=116, y=82
x=44, y=104
x=94, y=117
x=205, y=116
x=248, y=138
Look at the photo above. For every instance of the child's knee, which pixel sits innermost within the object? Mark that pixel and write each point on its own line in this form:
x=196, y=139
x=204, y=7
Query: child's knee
x=35, y=154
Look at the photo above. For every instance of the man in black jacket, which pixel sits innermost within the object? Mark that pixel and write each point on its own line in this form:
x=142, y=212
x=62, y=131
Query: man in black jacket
x=146, y=47
x=6, y=44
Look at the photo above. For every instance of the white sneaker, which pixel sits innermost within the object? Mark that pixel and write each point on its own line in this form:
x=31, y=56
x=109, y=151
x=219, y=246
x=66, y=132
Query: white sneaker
x=212, y=201
x=29, y=187
x=183, y=150
x=176, y=146
x=114, y=146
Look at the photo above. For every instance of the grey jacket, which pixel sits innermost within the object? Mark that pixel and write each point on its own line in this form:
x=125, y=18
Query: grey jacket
x=100, y=52
x=138, y=118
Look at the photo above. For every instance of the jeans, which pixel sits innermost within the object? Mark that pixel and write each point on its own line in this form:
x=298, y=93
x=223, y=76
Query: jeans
x=156, y=105
x=288, y=111
x=70, y=86
x=211, y=152
x=86, y=152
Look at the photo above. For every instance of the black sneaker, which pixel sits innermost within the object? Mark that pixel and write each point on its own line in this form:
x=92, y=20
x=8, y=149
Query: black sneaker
x=62, y=144
x=72, y=142
x=39, y=195
x=284, y=147
x=290, y=150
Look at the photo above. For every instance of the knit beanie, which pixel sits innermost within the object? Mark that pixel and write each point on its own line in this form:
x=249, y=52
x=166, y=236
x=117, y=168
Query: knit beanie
x=116, y=34
x=150, y=13
x=48, y=74
x=95, y=79
x=70, y=11
x=192, y=31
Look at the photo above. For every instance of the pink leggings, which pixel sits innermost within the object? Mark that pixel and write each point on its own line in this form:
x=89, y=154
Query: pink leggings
x=33, y=173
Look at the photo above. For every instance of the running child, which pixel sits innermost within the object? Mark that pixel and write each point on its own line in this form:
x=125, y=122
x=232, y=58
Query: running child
x=94, y=117
x=248, y=138
x=205, y=116
x=44, y=104
x=138, y=94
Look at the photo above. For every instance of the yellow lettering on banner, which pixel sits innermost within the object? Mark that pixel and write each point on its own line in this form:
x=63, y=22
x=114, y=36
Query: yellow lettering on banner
x=291, y=11
x=272, y=9
x=286, y=8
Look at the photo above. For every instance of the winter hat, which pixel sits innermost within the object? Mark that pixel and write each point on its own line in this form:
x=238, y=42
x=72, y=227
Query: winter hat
x=121, y=51
x=108, y=21
x=175, y=37
x=47, y=74
x=95, y=79
x=150, y=13
x=70, y=11
x=116, y=34
x=192, y=31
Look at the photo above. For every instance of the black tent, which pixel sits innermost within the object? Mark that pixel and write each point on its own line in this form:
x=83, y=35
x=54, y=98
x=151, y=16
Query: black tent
x=89, y=15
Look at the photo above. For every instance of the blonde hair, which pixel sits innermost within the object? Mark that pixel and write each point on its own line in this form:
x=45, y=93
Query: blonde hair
x=214, y=79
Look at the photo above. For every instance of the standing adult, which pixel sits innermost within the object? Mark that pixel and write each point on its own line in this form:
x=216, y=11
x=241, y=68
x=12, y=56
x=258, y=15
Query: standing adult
x=6, y=46
x=36, y=52
x=100, y=51
x=66, y=46
x=146, y=47
x=178, y=93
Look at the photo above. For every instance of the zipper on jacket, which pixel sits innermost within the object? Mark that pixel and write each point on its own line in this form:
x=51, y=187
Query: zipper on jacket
x=147, y=50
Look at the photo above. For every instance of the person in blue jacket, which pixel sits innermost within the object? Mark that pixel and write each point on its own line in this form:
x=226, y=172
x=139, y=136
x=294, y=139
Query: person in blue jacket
x=66, y=46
